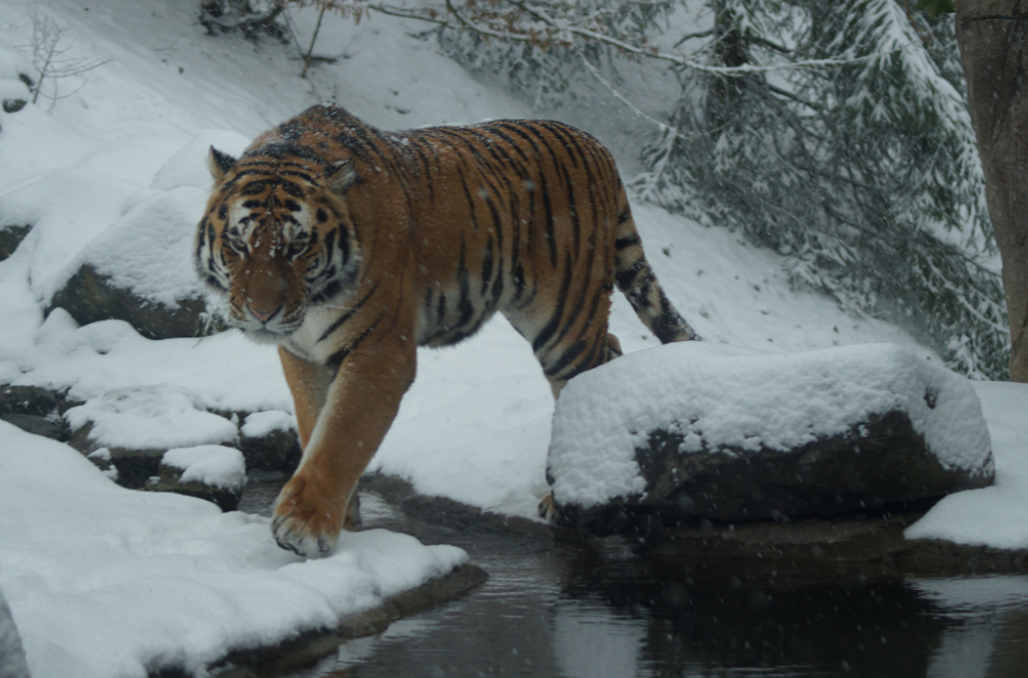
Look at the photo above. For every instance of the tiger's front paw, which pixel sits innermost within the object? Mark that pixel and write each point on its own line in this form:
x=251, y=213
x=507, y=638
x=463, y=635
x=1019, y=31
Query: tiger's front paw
x=304, y=522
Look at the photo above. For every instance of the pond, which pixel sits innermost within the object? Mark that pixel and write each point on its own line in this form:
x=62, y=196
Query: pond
x=595, y=610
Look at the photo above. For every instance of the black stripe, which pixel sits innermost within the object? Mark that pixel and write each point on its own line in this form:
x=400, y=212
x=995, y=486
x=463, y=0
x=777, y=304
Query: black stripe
x=487, y=264
x=464, y=305
x=336, y=359
x=576, y=223
x=626, y=276
x=347, y=315
x=555, y=320
x=518, y=278
x=550, y=234
x=441, y=310
x=565, y=359
x=627, y=241
x=467, y=197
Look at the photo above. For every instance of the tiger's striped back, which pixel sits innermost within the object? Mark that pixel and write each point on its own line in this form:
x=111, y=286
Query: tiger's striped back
x=547, y=215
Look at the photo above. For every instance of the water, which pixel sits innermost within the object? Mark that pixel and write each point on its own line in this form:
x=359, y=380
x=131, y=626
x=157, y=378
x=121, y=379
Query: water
x=570, y=610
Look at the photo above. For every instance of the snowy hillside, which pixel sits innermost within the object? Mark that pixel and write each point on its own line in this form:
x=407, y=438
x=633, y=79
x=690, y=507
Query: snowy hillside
x=474, y=427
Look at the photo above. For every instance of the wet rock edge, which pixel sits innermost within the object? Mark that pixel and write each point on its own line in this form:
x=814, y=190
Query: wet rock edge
x=819, y=550
x=858, y=547
x=309, y=646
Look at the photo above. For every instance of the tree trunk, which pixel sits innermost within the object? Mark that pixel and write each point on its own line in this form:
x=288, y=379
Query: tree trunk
x=993, y=39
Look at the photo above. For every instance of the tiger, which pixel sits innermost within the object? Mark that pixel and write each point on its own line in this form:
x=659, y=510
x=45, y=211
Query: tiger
x=348, y=247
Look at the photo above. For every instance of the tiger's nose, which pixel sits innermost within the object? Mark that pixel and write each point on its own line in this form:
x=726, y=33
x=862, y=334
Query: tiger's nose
x=263, y=316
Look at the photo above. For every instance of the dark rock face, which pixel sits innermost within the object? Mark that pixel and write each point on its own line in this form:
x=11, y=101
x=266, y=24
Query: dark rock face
x=275, y=450
x=881, y=462
x=28, y=400
x=12, y=653
x=90, y=296
x=10, y=238
x=14, y=105
x=34, y=409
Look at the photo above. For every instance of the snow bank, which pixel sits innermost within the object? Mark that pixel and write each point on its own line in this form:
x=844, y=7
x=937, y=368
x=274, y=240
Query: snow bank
x=104, y=581
x=995, y=516
x=89, y=203
x=720, y=396
x=188, y=167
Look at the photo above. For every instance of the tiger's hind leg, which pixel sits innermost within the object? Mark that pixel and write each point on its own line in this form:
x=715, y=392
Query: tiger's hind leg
x=547, y=509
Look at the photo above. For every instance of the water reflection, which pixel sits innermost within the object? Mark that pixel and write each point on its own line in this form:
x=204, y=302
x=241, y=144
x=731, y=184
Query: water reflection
x=988, y=629
x=563, y=611
x=592, y=641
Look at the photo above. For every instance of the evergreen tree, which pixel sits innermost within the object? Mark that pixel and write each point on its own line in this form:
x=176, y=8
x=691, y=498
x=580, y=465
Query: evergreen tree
x=862, y=171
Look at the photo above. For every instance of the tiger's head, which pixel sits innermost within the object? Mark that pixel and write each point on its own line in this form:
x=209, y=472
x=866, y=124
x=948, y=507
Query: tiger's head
x=277, y=239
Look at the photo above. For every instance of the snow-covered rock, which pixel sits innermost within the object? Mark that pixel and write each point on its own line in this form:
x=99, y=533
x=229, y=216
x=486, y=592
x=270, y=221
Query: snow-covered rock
x=139, y=269
x=705, y=430
x=269, y=441
x=137, y=425
x=216, y=473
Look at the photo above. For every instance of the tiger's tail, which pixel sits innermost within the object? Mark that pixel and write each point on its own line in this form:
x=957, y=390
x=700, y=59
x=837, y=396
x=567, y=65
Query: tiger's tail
x=638, y=283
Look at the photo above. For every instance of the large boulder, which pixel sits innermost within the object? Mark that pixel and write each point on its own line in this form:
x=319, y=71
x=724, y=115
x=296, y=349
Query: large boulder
x=140, y=268
x=701, y=431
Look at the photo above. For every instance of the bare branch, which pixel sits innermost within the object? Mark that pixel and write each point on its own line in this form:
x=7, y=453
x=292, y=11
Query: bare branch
x=50, y=62
x=557, y=31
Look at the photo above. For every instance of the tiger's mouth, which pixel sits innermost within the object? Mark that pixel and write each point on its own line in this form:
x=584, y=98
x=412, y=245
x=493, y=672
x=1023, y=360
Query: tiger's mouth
x=266, y=332
x=263, y=335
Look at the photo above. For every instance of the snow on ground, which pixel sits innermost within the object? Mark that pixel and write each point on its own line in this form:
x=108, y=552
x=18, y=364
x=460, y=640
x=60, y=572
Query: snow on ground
x=994, y=516
x=104, y=581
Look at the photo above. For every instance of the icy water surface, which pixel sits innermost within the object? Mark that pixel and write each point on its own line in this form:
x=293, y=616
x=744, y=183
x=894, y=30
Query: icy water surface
x=564, y=610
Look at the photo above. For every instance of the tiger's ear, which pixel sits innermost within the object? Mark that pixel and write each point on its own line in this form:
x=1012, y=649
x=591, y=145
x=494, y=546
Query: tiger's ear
x=219, y=163
x=341, y=175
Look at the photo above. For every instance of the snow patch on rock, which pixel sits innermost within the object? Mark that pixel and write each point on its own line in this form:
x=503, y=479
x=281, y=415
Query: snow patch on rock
x=214, y=465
